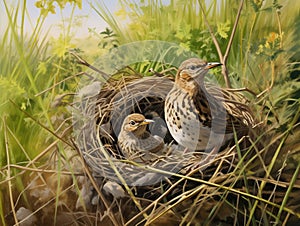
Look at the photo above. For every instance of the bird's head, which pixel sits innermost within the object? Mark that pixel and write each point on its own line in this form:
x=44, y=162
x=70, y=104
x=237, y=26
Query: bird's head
x=136, y=123
x=192, y=71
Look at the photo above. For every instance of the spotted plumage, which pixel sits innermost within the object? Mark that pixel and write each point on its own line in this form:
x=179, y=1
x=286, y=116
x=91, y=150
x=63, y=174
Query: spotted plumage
x=201, y=117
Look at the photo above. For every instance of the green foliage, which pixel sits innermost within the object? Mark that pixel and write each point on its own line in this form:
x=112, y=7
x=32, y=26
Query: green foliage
x=19, y=82
x=13, y=91
x=27, y=68
x=34, y=71
x=223, y=29
x=48, y=6
x=108, y=39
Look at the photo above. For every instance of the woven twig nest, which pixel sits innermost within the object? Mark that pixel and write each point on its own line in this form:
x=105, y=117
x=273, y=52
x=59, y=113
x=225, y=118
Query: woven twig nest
x=103, y=116
x=99, y=122
x=99, y=114
x=99, y=119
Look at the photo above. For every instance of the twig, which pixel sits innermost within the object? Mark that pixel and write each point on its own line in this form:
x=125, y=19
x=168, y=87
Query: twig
x=40, y=170
x=11, y=199
x=224, y=68
x=211, y=33
x=272, y=80
x=233, y=31
x=42, y=125
x=242, y=90
x=223, y=58
x=56, y=84
x=279, y=27
x=85, y=63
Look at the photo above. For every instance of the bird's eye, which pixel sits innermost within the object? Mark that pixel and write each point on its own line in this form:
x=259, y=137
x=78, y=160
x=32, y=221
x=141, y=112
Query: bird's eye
x=193, y=67
x=132, y=122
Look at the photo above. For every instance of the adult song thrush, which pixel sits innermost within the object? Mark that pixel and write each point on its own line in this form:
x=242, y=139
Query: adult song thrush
x=200, y=117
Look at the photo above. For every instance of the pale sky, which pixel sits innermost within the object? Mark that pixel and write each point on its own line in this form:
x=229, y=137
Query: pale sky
x=90, y=18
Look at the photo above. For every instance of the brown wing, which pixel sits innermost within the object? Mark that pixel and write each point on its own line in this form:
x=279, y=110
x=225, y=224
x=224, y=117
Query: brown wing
x=224, y=110
x=235, y=104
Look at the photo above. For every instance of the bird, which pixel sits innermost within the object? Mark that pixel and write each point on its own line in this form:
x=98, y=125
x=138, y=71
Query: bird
x=135, y=142
x=201, y=116
x=159, y=126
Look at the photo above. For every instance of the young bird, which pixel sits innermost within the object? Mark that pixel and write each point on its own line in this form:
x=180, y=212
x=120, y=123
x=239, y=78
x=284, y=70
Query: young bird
x=136, y=142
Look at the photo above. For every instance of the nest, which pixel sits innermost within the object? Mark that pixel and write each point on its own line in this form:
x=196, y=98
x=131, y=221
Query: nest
x=183, y=187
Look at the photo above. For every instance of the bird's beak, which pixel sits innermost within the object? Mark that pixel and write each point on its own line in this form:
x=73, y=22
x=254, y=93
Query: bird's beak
x=212, y=65
x=146, y=122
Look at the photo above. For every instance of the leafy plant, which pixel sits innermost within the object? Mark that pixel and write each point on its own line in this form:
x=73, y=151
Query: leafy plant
x=48, y=6
x=30, y=79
